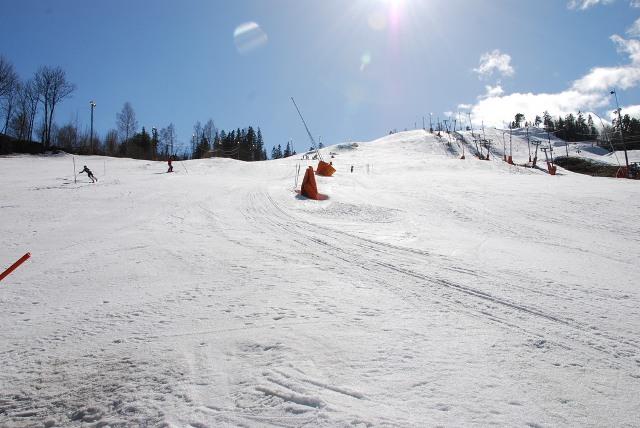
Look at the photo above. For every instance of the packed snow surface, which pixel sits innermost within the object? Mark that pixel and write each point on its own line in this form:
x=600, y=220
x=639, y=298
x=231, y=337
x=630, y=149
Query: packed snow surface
x=426, y=291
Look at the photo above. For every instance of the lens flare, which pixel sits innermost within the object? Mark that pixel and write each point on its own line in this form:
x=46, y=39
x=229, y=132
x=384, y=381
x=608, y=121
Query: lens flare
x=377, y=20
x=365, y=60
x=248, y=37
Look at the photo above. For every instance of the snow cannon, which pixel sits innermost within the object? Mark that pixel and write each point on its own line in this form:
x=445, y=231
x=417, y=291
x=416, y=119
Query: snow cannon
x=325, y=169
x=309, y=188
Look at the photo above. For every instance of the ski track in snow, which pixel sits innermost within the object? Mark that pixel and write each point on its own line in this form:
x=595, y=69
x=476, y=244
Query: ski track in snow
x=427, y=291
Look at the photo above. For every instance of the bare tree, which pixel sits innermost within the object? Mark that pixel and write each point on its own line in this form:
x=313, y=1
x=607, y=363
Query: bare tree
x=26, y=105
x=9, y=86
x=168, y=139
x=111, y=142
x=52, y=87
x=208, y=132
x=126, y=122
x=67, y=137
x=31, y=101
x=9, y=104
x=8, y=77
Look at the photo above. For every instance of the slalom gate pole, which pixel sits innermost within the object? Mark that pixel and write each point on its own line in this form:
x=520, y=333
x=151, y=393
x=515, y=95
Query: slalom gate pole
x=14, y=266
x=75, y=180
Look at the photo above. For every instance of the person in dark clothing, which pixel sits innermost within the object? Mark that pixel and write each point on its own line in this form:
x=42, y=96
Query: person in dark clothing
x=170, y=166
x=89, y=173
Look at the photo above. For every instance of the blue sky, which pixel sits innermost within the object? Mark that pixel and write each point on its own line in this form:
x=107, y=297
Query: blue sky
x=357, y=68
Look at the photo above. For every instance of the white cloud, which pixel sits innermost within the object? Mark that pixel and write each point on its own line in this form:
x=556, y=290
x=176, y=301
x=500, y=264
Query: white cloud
x=590, y=92
x=494, y=61
x=495, y=110
x=632, y=110
x=492, y=91
x=634, y=3
x=467, y=106
x=586, y=4
x=448, y=113
x=634, y=30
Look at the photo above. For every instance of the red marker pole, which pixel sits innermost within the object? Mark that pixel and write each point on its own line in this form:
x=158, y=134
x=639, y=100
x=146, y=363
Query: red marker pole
x=14, y=266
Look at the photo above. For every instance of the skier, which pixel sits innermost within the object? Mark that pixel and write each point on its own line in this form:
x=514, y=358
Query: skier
x=351, y=168
x=89, y=173
x=170, y=166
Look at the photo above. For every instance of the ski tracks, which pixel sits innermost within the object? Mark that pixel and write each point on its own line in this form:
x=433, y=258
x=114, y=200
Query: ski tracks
x=423, y=275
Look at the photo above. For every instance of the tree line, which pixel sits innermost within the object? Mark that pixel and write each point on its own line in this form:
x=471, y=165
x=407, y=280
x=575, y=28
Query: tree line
x=622, y=132
x=570, y=128
x=28, y=107
x=22, y=100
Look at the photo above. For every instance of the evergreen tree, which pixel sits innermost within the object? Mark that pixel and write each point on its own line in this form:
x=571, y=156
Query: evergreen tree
x=593, y=132
x=248, y=145
x=538, y=121
x=154, y=144
x=259, y=151
x=287, y=150
x=548, y=121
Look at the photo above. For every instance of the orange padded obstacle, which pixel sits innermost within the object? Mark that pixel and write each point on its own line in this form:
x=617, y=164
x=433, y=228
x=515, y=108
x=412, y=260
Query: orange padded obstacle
x=510, y=160
x=325, y=169
x=309, y=187
x=551, y=168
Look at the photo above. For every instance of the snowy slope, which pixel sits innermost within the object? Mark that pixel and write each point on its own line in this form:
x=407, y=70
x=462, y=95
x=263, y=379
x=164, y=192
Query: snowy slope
x=427, y=290
x=521, y=145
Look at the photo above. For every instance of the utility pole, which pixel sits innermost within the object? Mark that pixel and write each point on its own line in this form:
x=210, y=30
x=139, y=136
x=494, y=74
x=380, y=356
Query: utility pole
x=430, y=123
x=528, y=142
x=624, y=146
x=511, y=148
x=484, y=140
x=423, y=123
x=93, y=105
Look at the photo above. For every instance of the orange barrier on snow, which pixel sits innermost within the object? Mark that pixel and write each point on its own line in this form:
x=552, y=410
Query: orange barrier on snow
x=309, y=187
x=510, y=160
x=551, y=168
x=14, y=266
x=325, y=169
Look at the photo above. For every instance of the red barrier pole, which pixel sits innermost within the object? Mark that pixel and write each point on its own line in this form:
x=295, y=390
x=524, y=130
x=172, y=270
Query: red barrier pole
x=14, y=266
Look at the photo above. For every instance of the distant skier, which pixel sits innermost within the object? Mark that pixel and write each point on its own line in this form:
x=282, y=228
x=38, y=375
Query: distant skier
x=170, y=166
x=89, y=173
x=351, y=168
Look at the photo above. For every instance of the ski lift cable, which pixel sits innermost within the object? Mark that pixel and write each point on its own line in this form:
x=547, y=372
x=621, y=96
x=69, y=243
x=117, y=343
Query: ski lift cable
x=313, y=141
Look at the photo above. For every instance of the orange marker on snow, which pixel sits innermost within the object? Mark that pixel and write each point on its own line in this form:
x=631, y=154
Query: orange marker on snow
x=14, y=266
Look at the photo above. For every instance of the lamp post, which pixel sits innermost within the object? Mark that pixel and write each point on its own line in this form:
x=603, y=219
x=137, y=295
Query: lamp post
x=93, y=105
x=624, y=146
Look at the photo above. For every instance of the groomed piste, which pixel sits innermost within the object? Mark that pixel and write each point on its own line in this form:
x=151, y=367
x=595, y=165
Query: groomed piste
x=426, y=290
